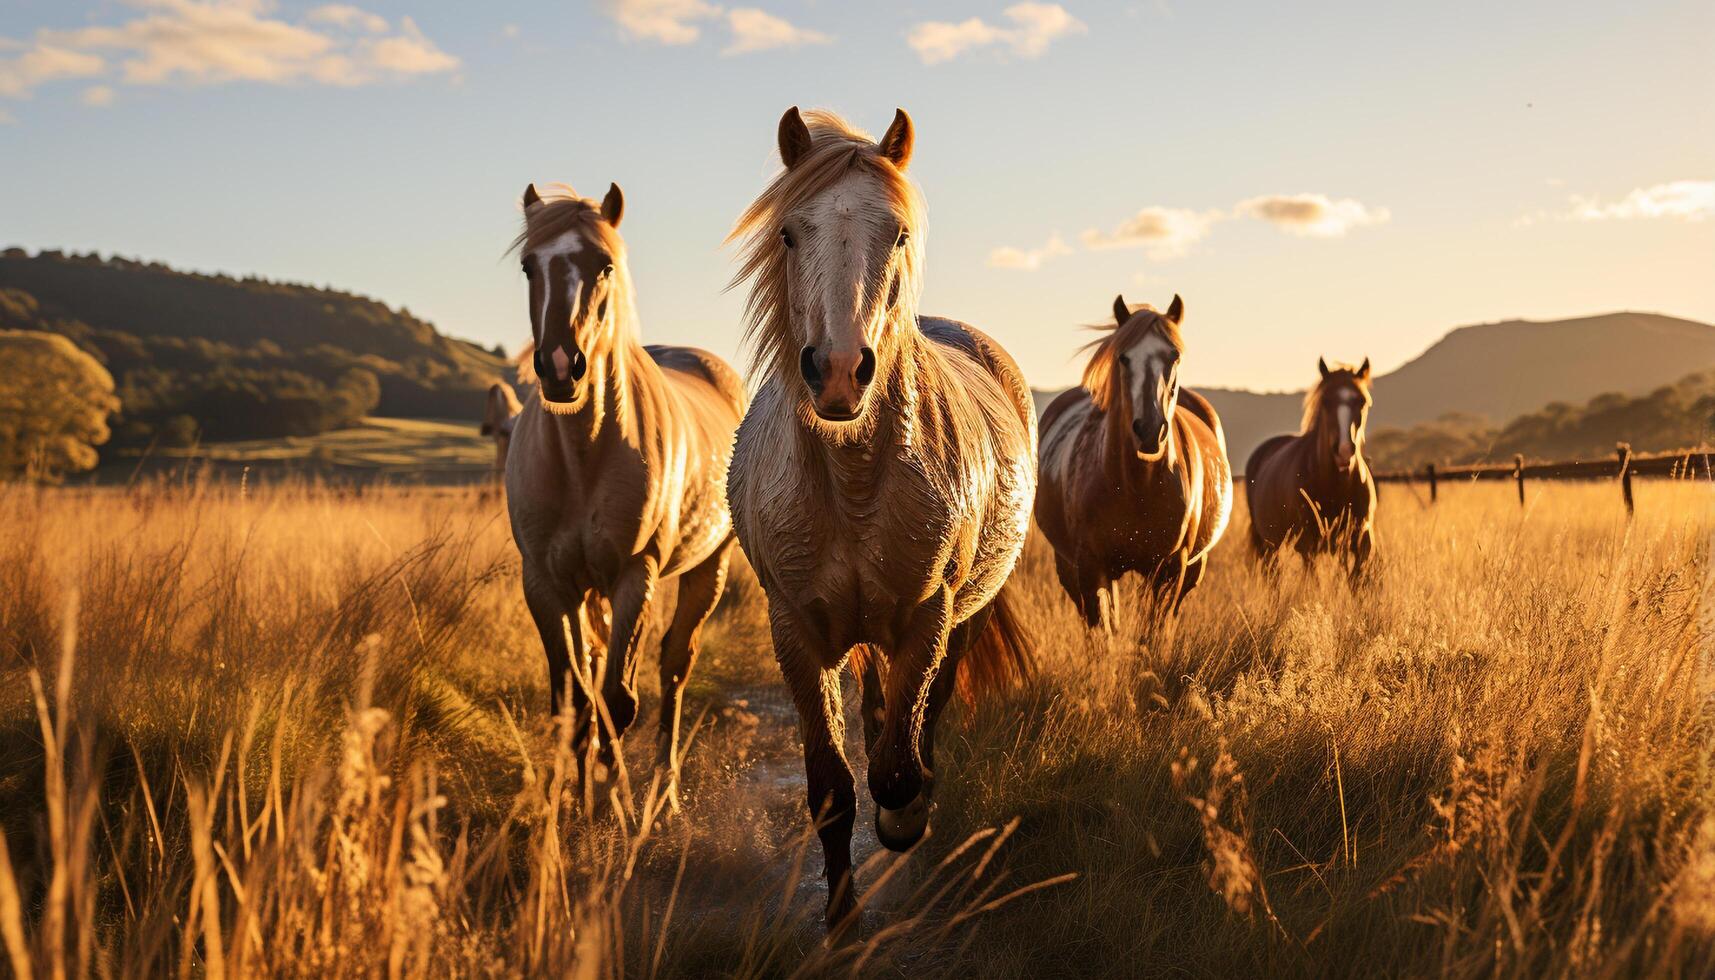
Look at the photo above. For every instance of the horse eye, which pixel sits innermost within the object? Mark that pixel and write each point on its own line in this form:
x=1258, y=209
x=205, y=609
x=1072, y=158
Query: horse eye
x=904, y=236
x=529, y=273
x=607, y=270
x=786, y=236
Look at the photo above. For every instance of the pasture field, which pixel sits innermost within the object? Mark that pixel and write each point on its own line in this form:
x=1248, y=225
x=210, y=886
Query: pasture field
x=300, y=730
x=405, y=450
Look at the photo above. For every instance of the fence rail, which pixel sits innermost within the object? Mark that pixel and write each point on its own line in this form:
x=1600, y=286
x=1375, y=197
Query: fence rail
x=1700, y=465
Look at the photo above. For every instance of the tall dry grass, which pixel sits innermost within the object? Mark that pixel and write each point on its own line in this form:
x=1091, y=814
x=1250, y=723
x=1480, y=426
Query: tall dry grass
x=299, y=730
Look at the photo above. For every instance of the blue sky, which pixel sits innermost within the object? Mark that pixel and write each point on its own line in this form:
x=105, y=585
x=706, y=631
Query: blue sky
x=1339, y=179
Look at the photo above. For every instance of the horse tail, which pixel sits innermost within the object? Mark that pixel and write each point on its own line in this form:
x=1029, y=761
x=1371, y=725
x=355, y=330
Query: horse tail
x=524, y=364
x=1000, y=654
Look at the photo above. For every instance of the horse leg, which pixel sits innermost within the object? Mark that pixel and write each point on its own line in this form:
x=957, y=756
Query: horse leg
x=874, y=699
x=1193, y=575
x=548, y=611
x=941, y=691
x=699, y=591
x=1067, y=572
x=631, y=597
x=895, y=767
x=832, y=792
x=1363, y=543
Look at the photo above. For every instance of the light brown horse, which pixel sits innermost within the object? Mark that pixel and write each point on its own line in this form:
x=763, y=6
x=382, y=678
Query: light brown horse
x=499, y=415
x=616, y=477
x=1313, y=490
x=1135, y=475
x=882, y=480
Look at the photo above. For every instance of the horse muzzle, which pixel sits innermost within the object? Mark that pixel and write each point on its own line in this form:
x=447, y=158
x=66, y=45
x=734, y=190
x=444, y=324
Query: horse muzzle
x=901, y=829
x=560, y=374
x=1150, y=445
x=838, y=382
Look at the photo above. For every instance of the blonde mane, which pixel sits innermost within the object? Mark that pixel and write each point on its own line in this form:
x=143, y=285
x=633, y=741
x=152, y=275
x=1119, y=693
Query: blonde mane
x=1099, y=373
x=836, y=148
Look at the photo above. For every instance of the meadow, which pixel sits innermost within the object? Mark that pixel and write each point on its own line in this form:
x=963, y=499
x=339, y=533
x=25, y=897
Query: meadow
x=299, y=729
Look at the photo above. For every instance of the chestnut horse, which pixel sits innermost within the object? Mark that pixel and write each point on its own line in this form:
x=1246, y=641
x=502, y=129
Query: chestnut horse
x=1314, y=490
x=1135, y=475
x=882, y=480
x=616, y=477
x=499, y=415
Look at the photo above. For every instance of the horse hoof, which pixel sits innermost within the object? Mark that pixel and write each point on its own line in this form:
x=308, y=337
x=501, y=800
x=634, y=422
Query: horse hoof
x=899, y=829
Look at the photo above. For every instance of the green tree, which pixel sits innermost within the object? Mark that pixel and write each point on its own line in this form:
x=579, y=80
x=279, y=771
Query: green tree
x=54, y=404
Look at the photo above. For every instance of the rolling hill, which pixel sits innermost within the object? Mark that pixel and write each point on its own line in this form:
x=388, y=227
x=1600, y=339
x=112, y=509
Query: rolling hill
x=214, y=357
x=1496, y=371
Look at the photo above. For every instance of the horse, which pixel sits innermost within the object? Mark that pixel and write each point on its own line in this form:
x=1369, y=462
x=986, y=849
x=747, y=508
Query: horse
x=499, y=415
x=616, y=474
x=1134, y=475
x=1314, y=489
x=882, y=480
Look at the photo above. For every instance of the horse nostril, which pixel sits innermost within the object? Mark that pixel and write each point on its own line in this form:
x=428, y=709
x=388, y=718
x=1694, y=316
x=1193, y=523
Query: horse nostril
x=866, y=367
x=807, y=366
x=1137, y=429
x=580, y=364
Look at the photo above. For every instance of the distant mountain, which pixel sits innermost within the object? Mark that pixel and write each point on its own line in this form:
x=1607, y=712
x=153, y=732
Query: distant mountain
x=214, y=357
x=1496, y=371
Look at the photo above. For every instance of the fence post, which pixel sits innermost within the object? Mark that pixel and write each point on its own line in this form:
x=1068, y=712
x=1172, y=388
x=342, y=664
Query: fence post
x=1431, y=473
x=1518, y=475
x=1624, y=451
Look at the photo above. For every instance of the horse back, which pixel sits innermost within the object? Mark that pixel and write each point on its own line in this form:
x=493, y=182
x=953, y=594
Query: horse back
x=1199, y=406
x=701, y=366
x=981, y=348
x=1062, y=403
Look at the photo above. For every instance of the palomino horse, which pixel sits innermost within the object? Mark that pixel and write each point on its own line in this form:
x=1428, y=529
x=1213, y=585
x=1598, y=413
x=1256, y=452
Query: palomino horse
x=1135, y=475
x=882, y=480
x=1314, y=489
x=616, y=476
x=499, y=415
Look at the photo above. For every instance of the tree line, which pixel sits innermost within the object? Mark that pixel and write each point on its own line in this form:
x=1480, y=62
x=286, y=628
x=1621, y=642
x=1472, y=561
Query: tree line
x=213, y=357
x=1672, y=417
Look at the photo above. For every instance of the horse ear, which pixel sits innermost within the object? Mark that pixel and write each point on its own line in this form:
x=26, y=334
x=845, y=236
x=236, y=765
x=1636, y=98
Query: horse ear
x=613, y=205
x=1364, y=370
x=1176, y=310
x=1122, y=312
x=530, y=195
x=1322, y=366
x=794, y=138
x=897, y=142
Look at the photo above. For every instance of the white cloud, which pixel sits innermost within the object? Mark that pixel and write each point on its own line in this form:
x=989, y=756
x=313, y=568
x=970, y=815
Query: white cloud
x=666, y=21
x=1029, y=260
x=217, y=41
x=408, y=52
x=1035, y=25
x=1311, y=215
x=349, y=17
x=45, y=63
x=758, y=30
x=1164, y=232
x=1685, y=200
x=98, y=96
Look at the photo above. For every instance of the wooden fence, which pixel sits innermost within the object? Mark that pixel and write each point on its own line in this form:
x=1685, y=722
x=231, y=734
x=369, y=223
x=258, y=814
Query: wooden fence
x=1699, y=465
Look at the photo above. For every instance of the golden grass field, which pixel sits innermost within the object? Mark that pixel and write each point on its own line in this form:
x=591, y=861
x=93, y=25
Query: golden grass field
x=298, y=730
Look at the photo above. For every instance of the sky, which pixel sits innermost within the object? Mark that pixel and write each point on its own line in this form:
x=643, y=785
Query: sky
x=1340, y=179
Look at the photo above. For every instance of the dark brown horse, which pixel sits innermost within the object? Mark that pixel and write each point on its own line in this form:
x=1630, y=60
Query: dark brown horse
x=882, y=479
x=1134, y=472
x=1313, y=490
